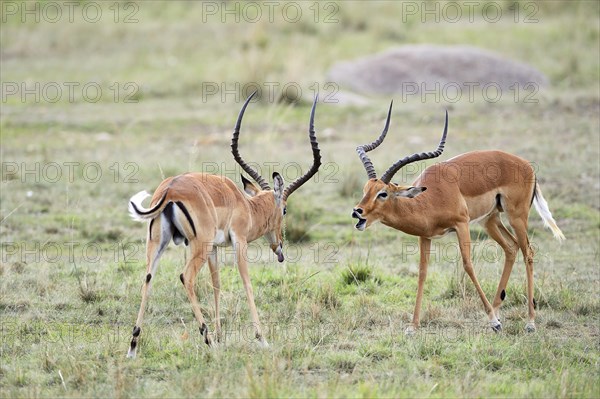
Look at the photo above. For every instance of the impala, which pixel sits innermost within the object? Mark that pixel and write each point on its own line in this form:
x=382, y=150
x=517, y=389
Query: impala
x=206, y=211
x=473, y=187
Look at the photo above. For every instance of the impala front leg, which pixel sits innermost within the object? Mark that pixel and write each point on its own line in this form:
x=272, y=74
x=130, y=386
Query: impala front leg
x=464, y=241
x=424, y=247
x=240, y=250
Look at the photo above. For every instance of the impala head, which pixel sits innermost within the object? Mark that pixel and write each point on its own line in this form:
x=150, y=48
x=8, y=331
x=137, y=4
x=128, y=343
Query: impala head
x=377, y=201
x=274, y=210
x=274, y=200
x=380, y=195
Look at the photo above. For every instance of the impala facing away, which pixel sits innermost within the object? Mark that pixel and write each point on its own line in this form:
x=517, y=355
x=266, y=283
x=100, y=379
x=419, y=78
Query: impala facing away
x=206, y=211
x=473, y=187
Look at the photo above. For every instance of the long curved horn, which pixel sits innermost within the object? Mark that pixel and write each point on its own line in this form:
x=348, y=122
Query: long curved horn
x=316, y=155
x=236, y=154
x=363, y=149
x=387, y=176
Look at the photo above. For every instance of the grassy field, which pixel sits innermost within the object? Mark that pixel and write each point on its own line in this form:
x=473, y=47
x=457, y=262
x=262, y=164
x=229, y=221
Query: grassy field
x=72, y=261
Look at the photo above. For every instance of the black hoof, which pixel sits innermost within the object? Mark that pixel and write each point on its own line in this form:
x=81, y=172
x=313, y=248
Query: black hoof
x=204, y=333
x=497, y=328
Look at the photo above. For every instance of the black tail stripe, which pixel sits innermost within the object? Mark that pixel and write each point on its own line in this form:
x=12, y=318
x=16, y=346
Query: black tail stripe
x=149, y=211
x=534, y=190
x=187, y=215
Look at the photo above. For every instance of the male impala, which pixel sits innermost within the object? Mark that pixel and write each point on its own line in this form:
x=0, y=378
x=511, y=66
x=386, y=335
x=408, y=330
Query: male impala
x=473, y=187
x=206, y=211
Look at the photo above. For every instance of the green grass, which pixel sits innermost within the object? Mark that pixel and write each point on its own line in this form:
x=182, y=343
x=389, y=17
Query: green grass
x=72, y=261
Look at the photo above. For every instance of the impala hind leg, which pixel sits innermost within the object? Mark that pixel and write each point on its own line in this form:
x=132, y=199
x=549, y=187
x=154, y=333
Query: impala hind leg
x=498, y=232
x=159, y=236
x=199, y=252
x=464, y=242
x=519, y=224
x=424, y=247
x=216, y=283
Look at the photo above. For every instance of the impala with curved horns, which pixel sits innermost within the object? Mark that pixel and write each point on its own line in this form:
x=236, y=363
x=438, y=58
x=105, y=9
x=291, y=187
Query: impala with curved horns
x=473, y=187
x=206, y=211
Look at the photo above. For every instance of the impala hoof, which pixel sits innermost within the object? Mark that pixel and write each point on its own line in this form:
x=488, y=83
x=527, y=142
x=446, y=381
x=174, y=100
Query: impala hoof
x=410, y=331
x=204, y=334
x=496, y=326
x=530, y=327
x=131, y=354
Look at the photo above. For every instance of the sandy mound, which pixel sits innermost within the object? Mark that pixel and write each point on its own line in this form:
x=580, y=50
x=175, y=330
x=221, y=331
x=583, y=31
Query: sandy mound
x=410, y=67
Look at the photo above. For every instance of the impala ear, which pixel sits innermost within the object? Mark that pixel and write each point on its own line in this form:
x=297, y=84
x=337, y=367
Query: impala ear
x=249, y=188
x=411, y=192
x=278, y=184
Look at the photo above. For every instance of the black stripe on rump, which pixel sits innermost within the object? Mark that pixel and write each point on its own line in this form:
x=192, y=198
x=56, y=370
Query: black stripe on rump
x=187, y=215
x=150, y=228
x=498, y=203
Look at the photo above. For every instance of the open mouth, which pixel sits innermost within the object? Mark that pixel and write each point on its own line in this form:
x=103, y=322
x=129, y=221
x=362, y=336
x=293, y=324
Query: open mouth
x=279, y=253
x=360, y=225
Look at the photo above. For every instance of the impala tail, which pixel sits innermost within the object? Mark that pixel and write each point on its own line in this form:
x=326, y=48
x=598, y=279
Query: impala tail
x=541, y=206
x=137, y=210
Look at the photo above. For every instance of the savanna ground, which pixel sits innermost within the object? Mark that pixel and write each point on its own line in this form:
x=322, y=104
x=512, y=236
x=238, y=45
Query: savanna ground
x=73, y=263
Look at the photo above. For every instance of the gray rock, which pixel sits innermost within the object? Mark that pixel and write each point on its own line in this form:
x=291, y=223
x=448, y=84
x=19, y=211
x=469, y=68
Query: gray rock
x=422, y=67
x=346, y=98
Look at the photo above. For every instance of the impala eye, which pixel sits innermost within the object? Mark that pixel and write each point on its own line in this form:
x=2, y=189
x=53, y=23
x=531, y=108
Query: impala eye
x=382, y=195
x=284, y=210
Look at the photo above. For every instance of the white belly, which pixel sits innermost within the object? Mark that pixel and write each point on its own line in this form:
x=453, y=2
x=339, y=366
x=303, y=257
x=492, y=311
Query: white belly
x=443, y=234
x=222, y=239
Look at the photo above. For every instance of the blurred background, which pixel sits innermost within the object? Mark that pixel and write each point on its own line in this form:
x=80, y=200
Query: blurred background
x=152, y=89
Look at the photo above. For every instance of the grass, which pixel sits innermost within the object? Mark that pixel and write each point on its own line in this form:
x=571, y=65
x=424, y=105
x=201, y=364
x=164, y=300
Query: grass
x=72, y=261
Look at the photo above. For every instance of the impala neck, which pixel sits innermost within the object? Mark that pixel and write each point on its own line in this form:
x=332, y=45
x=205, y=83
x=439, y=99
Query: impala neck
x=408, y=215
x=262, y=215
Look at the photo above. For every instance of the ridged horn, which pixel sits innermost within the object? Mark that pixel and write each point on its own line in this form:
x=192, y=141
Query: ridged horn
x=236, y=154
x=316, y=155
x=392, y=170
x=363, y=149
